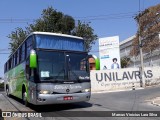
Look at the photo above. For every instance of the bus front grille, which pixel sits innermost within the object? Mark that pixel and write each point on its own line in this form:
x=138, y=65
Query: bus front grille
x=66, y=92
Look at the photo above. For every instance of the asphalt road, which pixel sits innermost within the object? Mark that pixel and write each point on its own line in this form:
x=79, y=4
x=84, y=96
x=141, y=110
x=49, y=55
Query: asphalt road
x=136, y=100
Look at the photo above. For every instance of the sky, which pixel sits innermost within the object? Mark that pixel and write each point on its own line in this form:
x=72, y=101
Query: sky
x=106, y=17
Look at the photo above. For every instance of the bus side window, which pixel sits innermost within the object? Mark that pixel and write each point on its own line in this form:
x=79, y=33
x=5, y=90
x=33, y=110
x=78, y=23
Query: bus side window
x=15, y=62
x=27, y=69
x=23, y=52
x=20, y=54
x=28, y=46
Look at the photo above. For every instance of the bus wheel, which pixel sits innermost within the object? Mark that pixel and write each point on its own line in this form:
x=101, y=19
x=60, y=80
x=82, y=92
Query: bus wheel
x=7, y=91
x=24, y=98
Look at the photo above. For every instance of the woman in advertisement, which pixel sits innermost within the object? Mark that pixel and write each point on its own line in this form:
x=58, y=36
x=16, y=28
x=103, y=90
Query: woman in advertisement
x=115, y=65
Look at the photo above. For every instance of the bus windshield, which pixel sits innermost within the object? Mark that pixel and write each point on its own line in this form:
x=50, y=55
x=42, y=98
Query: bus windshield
x=76, y=65
x=59, y=66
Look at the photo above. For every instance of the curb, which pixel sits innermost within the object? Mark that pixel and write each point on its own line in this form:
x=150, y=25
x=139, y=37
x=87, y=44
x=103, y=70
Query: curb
x=154, y=103
x=116, y=91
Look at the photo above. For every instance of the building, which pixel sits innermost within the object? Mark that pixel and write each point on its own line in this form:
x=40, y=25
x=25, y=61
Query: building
x=125, y=46
x=150, y=59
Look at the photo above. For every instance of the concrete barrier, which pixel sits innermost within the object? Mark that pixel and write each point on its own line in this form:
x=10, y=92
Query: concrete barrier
x=116, y=79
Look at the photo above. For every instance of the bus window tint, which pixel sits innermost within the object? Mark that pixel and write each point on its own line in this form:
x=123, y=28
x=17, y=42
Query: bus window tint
x=77, y=65
x=51, y=65
x=29, y=45
x=23, y=52
x=77, y=61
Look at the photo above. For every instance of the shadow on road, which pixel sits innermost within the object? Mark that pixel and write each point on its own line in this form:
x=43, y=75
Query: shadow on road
x=55, y=107
x=15, y=98
x=60, y=107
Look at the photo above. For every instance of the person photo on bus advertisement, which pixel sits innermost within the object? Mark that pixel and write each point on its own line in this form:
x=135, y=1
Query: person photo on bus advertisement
x=115, y=65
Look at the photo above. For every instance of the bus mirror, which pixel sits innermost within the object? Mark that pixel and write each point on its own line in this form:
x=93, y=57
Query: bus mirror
x=33, y=59
x=97, y=64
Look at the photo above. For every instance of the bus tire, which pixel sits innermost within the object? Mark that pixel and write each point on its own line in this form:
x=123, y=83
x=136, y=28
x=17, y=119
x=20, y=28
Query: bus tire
x=24, y=98
x=7, y=91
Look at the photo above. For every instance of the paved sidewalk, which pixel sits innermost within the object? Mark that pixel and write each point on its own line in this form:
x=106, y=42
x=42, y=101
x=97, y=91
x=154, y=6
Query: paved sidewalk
x=120, y=90
x=156, y=101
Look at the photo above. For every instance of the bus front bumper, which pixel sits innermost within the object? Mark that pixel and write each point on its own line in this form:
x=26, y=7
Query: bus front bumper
x=44, y=99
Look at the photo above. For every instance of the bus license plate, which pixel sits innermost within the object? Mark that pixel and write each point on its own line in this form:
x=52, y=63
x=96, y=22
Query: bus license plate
x=68, y=98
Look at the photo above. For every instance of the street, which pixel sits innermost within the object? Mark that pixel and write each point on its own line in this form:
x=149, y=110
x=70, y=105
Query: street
x=135, y=100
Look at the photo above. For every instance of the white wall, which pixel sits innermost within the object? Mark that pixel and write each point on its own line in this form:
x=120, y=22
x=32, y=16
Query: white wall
x=105, y=80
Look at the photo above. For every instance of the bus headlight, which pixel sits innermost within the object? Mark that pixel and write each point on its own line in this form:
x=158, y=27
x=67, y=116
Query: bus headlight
x=44, y=92
x=86, y=90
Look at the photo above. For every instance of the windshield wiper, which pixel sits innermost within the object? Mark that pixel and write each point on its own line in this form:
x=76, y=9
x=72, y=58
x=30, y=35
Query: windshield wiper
x=76, y=76
x=51, y=78
x=48, y=78
x=59, y=73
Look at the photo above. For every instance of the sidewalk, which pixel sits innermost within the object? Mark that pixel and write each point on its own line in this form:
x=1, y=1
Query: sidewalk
x=118, y=90
x=156, y=101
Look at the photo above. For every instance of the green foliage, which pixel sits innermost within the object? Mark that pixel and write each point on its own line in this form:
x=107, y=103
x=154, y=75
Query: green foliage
x=149, y=28
x=125, y=62
x=85, y=31
x=53, y=21
x=57, y=22
x=17, y=37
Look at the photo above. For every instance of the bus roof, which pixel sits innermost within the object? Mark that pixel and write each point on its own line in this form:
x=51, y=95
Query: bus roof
x=47, y=33
x=56, y=34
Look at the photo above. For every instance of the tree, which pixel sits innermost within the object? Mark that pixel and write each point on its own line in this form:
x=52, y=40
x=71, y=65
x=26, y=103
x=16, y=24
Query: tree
x=149, y=28
x=85, y=31
x=125, y=62
x=52, y=20
x=17, y=37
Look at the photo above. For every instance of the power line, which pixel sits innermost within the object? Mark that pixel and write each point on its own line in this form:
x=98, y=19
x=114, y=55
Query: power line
x=4, y=49
x=16, y=20
x=4, y=53
x=97, y=17
x=107, y=15
x=109, y=18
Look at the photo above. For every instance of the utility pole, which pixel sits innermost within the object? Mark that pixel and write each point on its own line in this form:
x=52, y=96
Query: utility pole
x=142, y=79
x=142, y=82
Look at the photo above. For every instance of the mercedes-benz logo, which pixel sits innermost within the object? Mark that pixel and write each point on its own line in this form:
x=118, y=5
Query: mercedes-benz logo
x=67, y=90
